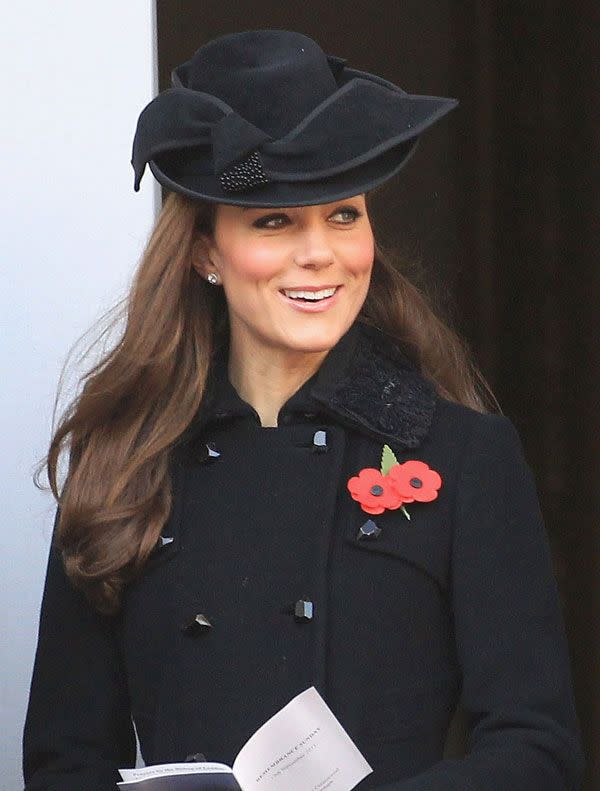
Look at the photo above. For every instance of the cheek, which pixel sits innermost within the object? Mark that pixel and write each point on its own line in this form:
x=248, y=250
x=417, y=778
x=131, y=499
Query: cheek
x=252, y=262
x=360, y=255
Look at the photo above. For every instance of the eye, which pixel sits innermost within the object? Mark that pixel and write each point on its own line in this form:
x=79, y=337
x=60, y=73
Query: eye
x=349, y=215
x=350, y=212
x=269, y=221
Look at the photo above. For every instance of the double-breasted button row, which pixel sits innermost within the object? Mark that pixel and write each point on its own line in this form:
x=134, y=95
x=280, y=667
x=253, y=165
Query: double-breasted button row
x=302, y=610
x=207, y=452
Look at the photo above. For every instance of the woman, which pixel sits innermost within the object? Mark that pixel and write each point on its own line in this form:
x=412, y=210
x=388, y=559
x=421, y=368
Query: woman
x=283, y=474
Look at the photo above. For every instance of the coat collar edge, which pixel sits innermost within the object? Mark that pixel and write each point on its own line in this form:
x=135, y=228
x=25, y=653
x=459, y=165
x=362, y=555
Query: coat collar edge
x=366, y=382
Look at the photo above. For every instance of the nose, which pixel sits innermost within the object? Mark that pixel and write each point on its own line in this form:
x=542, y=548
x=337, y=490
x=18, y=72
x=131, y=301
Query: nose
x=313, y=250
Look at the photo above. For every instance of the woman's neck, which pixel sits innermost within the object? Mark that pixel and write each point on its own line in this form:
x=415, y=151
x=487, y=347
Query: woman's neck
x=266, y=377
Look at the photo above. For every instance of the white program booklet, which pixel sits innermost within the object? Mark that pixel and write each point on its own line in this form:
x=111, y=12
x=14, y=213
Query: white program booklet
x=301, y=748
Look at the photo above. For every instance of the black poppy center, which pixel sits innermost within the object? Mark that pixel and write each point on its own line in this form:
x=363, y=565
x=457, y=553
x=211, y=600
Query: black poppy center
x=416, y=483
x=376, y=490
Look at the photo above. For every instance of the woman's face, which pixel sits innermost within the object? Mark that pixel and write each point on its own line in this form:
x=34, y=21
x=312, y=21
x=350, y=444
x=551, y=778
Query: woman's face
x=267, y=258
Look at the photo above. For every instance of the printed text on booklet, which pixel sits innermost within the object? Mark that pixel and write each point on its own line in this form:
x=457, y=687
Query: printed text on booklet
x=303, y=747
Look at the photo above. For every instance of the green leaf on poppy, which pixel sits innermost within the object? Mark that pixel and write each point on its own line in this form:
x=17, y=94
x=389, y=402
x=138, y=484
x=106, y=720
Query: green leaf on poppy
x=388, y=459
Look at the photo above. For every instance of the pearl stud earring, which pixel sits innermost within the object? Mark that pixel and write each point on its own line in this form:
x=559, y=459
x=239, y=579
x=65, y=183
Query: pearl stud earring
x=213, y=278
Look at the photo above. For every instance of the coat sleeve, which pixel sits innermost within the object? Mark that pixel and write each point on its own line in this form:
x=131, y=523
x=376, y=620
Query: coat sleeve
x=509, y=631
x=78, y=729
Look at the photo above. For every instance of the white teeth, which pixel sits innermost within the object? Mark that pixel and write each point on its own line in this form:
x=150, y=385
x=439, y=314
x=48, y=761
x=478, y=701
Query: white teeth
x=312, y=295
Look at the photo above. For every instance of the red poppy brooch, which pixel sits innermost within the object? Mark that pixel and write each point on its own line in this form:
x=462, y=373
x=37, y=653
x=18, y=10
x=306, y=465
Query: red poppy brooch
x=394, y=484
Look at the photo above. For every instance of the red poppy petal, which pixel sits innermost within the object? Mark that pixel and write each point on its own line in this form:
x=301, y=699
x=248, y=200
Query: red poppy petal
x=370, y=474
x=356, y=488
x=415, y=467
x=364, y=497
x=396, y=489
x=400, y=502
x=391, y=500
x=402, y=474
x=434, y=479
x=372, y=509
x=427, y=496
x=400, y=480
x=360, y=487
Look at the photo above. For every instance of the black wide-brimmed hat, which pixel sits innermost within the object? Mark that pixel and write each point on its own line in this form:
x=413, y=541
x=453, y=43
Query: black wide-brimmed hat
x=266, y=118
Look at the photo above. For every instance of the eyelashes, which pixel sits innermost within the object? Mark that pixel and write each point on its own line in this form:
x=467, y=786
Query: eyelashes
x=264, y=222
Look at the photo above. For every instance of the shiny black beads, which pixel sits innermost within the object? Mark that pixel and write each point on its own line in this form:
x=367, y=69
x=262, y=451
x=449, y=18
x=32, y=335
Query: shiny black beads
x=245, y=175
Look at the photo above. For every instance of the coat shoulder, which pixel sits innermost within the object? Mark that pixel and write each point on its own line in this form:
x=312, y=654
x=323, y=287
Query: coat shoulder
x=466, y=429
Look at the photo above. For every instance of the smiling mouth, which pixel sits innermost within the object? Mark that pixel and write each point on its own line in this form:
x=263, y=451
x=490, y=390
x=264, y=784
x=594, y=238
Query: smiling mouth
x=301, y=295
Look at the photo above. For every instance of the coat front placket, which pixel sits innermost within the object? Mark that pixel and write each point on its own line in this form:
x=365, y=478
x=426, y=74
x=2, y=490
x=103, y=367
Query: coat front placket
x=253, y=550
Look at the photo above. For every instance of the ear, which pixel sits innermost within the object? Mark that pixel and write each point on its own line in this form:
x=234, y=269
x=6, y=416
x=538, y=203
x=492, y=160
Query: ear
x=202, y=255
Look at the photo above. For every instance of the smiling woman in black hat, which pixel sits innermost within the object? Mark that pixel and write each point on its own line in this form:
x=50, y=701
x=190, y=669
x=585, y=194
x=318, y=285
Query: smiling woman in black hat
x=284, y=474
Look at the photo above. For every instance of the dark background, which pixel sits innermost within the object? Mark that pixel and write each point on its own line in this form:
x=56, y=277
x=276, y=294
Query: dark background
x=500, y=207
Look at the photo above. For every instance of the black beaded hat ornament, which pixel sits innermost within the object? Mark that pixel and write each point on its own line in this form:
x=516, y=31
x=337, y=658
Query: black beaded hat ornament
x=266, y=118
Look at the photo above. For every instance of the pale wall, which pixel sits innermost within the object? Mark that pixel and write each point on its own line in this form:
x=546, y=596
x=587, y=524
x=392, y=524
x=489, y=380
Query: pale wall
x=74, y=76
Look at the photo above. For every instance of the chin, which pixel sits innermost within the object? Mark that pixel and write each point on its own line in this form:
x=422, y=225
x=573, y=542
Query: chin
x=314, y=339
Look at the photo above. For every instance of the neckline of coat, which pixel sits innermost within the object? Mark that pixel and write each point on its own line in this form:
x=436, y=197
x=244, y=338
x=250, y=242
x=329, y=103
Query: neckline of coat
x=365, y=382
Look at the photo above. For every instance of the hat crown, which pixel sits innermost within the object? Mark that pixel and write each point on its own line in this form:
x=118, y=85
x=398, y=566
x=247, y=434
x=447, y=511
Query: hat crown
x=266, y=118
x=272, y=78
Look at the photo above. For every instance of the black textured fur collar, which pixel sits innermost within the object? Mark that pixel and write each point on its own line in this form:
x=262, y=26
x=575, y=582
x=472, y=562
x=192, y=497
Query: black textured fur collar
x=365, y=381
x=371, y=385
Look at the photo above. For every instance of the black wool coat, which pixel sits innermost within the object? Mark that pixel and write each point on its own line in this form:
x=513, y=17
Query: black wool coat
x=457, y=604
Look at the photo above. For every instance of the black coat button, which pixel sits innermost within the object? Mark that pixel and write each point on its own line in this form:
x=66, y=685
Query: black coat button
x=368, y=530
x=197, y=624
x=303, y=610
x=320, y=441
x=206, y=452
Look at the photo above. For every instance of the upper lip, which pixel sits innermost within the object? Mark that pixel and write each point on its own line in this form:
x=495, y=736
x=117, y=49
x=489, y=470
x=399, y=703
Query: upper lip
x=309, y=288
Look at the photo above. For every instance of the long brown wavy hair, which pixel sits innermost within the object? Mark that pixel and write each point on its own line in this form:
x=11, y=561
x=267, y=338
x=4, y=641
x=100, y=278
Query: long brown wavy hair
x=140, y=397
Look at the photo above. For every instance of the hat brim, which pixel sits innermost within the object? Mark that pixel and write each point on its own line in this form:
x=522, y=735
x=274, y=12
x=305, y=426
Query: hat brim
x=173, y=171
x=331, y=154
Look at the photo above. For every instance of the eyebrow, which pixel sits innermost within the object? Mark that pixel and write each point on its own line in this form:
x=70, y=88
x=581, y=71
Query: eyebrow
x=265, y=208
x=287, y=208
